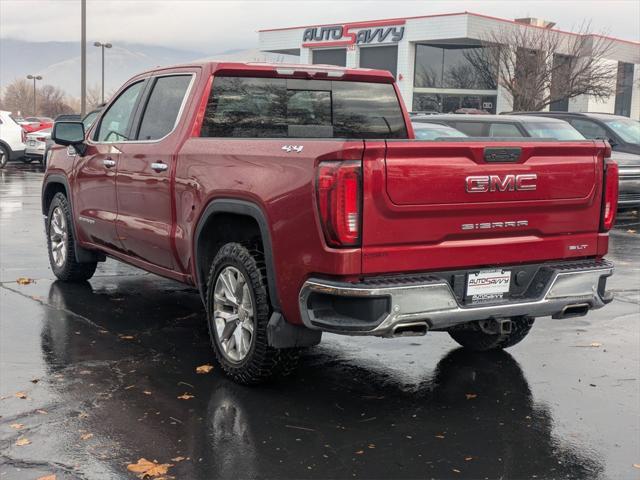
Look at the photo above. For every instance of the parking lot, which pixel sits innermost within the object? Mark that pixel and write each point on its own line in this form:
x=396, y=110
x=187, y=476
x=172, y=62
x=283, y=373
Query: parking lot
x=103, y=369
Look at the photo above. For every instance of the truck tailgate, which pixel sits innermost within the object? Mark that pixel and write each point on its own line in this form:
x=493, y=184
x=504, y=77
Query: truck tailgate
x=436, y=205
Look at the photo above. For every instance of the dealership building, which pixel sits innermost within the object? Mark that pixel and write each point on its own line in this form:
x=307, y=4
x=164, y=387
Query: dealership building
x=432, y=59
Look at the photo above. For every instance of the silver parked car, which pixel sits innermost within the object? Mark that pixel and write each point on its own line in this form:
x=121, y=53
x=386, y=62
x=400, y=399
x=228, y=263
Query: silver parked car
x=629, y=184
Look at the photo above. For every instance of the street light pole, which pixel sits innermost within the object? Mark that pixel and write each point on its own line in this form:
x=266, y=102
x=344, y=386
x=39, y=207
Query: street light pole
x=103, y=46
x=83, y=57
x=34, y=78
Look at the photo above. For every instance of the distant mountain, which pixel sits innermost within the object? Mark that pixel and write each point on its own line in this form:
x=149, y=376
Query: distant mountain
x=59, y=62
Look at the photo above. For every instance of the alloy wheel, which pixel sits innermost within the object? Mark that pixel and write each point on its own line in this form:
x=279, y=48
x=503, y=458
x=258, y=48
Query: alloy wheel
x=58, y=235
x=233, y=314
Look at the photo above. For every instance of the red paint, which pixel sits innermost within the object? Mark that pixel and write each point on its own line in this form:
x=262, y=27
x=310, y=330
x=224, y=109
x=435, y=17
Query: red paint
x=410, y=217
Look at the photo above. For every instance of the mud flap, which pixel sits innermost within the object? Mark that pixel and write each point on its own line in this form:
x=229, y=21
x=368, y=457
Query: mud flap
x=282, y=334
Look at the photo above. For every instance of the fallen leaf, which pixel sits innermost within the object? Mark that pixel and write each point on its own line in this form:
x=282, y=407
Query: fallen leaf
x=177, y=459
x=127, y=337
x=595, y=344
x=21, y=395
x=470, y=396
x=455, y=470
x=146, y=392
x=24, y=281
x=371, y=445
x=636, y=465
x=359, y=452
x=42, y=412
x=48, y=477
x=631, y=230
x=185, y=396
x=21, y=442
x=83, y=415
x=146, y=469
x=17, y=426
x=86, y=436
x=204, y=368
x=439, y=436
x=466, y=459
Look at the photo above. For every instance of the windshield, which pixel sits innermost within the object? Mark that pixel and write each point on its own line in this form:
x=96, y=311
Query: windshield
x=556, y=130
x=431, y=132
x=629, y=130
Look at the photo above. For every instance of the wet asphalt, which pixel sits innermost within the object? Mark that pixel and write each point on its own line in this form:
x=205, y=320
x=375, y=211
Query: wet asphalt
x=102, y=365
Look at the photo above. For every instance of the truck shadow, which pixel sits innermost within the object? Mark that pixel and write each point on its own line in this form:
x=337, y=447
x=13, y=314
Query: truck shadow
x=472, y=416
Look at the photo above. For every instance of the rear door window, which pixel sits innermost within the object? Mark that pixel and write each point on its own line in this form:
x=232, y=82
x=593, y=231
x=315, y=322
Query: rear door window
x=588, y=128
x=504, y=130
x=471, y=129
x=281, y=108
x=163, y=107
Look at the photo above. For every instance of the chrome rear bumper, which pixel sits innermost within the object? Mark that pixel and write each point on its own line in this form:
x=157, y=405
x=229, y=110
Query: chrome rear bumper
x=563, y=289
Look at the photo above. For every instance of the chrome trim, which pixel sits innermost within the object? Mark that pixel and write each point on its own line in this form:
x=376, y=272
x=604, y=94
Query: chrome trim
x=159, y=166
x=435, y=302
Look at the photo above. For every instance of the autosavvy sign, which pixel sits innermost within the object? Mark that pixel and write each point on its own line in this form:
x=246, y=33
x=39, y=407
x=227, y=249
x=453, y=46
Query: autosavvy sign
x=389, y=31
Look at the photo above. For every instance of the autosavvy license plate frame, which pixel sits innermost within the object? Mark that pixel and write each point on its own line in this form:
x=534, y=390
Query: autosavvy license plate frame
x=488, y=284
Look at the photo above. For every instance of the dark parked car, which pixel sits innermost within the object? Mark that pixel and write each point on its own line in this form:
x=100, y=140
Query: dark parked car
x=623, y=133
x=68, y=117
x=499, y=126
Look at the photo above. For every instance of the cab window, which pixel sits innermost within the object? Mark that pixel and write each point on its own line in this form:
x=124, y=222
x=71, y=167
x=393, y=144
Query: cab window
x=114, y=125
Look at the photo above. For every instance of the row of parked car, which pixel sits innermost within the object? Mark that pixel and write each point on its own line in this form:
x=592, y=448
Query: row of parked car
x=622, y=133
x=28, y=139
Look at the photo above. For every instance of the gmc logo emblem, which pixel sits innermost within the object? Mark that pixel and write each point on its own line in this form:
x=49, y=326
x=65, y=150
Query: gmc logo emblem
x=505, y=183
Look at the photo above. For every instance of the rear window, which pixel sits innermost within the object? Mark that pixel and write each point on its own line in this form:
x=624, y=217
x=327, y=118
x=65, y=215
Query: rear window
x=556, y=130
x=280, y=108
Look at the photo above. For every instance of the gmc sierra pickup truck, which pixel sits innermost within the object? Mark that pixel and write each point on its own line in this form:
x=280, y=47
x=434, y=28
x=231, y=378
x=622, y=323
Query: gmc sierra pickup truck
x=296, y=199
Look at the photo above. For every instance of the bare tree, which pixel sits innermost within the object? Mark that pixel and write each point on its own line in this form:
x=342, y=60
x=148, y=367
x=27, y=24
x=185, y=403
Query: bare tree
x=538, y=66
x=18, y=97
x=52, y=101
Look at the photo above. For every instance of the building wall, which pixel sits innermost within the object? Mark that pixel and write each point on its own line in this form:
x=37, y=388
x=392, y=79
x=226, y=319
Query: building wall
x=461, y=29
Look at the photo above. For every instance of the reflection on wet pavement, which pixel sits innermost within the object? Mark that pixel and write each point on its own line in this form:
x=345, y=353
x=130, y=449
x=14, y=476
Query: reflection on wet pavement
x=110, y=358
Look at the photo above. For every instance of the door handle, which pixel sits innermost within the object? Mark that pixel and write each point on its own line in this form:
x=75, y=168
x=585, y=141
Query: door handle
x=159, y=166
x=107, y=162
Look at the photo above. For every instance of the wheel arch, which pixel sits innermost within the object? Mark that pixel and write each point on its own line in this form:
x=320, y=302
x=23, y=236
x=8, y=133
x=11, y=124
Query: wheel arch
x=240, y=209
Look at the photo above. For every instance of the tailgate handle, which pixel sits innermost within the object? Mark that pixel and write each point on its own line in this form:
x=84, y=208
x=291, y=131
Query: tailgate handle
x=502, y=155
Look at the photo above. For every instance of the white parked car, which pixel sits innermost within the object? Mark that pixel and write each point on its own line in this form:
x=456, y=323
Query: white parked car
x=36, y=145
x=12, y=138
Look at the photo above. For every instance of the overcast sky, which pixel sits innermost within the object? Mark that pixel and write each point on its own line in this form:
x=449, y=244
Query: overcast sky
x=216, y=25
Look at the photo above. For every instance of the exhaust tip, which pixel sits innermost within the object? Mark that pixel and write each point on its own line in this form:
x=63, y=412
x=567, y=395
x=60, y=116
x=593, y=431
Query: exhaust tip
x=410, y=330
x=570, y=311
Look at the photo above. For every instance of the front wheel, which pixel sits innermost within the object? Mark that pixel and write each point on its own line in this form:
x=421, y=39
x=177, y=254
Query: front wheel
x=61, y=244
x=238, y=311
x=474, y=337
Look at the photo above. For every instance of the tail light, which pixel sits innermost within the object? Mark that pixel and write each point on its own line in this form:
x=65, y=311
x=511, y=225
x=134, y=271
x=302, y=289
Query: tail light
x=41, y=139
x=339, y=191
x=610, y=196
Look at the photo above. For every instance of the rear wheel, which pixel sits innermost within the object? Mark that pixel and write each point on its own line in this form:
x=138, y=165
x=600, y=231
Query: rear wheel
x=238, y=311
x=479, y=339
x=4, y=156
x=61, y=244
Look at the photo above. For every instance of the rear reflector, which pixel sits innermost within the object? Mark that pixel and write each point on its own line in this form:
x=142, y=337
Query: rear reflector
x=339, y=202
x=610, y=195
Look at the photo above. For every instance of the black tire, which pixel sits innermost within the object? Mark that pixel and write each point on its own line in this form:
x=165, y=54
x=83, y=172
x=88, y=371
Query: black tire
x=472, y=337
x=4, y=156
x=262, y=362
x=69, y=269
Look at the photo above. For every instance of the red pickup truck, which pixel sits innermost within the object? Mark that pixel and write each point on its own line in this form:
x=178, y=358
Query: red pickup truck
x=297, y=201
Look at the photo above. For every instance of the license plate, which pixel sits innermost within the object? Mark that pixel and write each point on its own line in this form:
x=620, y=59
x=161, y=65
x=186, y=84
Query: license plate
x=487, y=284
x=32, y=143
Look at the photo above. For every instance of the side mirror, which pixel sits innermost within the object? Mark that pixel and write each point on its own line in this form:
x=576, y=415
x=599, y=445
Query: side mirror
x=612, y=142
x=69, y=133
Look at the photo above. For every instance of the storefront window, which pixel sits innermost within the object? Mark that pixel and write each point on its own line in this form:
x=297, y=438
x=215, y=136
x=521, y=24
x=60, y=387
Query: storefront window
x=624, y=86
x=453, y=66
x=330, y=56
x=441, y=103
